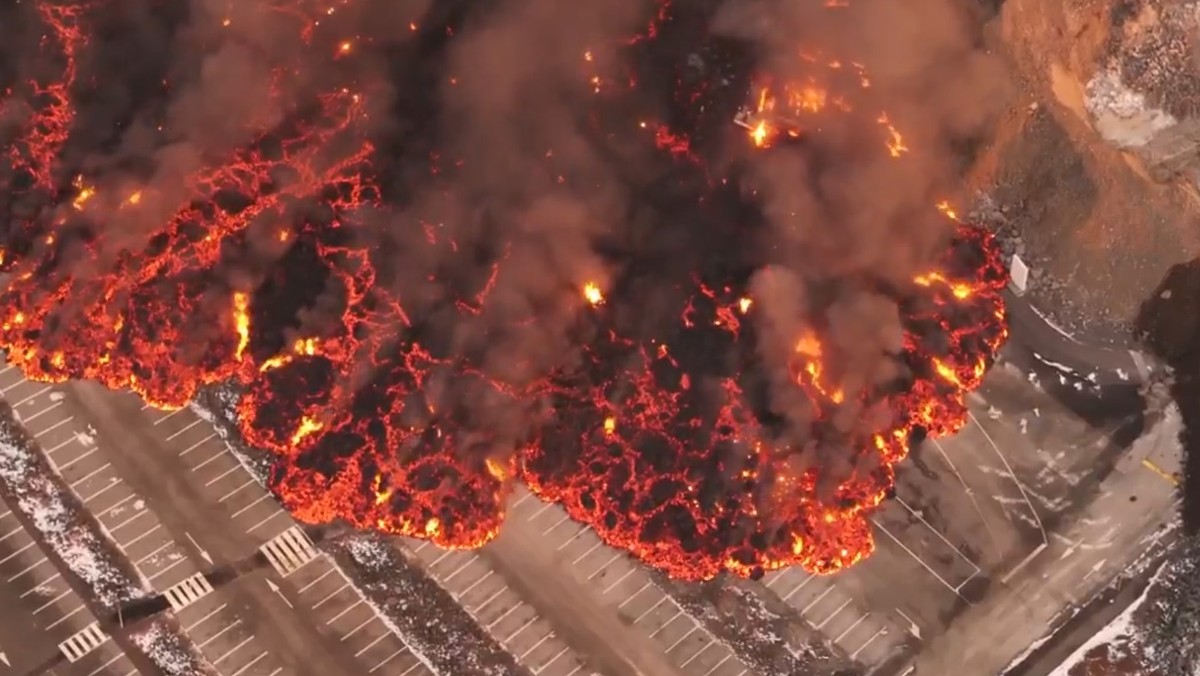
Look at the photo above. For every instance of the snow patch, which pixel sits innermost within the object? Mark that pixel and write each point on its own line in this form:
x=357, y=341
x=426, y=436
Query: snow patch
x=1118, y=628
x=164, y=647
x=1049, y=322
x=1027, y=652
x=44, y=503
x=1051, y=363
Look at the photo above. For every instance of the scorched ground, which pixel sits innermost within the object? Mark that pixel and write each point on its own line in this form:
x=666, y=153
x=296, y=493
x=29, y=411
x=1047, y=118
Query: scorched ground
x=414, y=324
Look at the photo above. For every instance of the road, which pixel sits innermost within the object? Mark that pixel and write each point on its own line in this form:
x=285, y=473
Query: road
x=1032, y=332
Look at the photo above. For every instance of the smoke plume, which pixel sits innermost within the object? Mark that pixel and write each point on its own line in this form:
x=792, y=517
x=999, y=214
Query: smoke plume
x=517, y=165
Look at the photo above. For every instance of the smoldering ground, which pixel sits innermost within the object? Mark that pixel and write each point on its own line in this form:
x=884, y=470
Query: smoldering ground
x=524, y=148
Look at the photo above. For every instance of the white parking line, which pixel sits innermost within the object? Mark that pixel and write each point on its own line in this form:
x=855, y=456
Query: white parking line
x=139, y=538
x=25, y=420
x=851, y=627
x=237, y=490
x=249, y=664
x=55, y=426
x=64, y=618
x=234, y=649
x=370, y=618
x=102, y=667
x=164, y=571
x=220, y=633
x=29, y=569
x=17, y=552
x=196, y=445
x=224, y=474
x=126, y=522
x=913, y=554
x=112, y=483
x=90, y=474
x=183, y=429
x=385, y=660
x=261, y=498
x=854, y=655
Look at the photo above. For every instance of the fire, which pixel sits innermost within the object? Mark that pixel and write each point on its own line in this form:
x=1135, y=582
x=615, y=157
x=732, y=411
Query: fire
x=650, y=430
x=307, y=428
x=592, y=293
x=241, y=320
x=86, y=193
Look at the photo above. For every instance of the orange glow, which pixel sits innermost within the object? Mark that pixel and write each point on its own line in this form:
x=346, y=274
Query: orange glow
x=308, y=427
x=241, y=320
x=592, y=293
x=635, y=402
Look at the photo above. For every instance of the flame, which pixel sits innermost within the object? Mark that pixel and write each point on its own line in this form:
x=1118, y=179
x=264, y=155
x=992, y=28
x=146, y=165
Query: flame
x=592, y=293
x=307, y=428
x=610, y=426
x=365, y=410
x=241, y=319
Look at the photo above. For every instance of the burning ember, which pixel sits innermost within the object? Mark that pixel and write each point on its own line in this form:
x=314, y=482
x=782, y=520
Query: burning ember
x=399, y=364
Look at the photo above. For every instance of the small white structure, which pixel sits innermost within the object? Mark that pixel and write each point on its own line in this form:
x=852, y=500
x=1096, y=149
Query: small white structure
x=1018, y=275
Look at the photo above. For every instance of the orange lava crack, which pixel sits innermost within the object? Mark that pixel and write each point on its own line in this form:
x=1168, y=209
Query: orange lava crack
x=658, y=451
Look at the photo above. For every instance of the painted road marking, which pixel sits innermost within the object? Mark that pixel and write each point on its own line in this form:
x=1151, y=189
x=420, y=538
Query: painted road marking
x=289, y=550
x=188, y=591
x=1173, y=479
x=83, y=642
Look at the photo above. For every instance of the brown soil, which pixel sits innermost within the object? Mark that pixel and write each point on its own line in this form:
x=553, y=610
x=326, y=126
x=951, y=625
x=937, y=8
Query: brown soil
x=1099, y=233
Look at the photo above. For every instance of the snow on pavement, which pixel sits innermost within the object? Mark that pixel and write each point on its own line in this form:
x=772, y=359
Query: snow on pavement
x=45, y=503
x=168, y=652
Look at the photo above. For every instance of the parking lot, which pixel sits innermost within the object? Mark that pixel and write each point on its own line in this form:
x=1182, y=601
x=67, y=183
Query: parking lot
x=869, y=627
x=867, y=636
x=514, y=623
x=48, y=610
x=72, y=449
x=334, y=602
x=334, y=605
x=626, y=586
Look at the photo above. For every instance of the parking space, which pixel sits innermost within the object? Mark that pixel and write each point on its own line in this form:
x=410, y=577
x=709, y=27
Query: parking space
x=984, y=471
x=870, y=637
x=105, y=660
x=333, y=603
x=225, y=640
x=497, y=608
x=71, y=447
x=49, y=606
x=627, y=586
x=899, y=525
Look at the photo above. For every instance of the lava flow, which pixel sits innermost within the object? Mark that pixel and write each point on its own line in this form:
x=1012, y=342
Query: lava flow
x=386, y=344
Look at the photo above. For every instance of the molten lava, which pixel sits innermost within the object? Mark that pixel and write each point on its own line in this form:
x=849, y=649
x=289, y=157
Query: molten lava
x=650, y=438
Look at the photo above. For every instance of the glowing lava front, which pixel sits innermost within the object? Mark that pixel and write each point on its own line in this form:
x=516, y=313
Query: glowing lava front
x=649, y=439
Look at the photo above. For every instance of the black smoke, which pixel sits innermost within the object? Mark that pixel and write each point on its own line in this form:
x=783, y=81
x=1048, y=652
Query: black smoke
x=531, y=135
